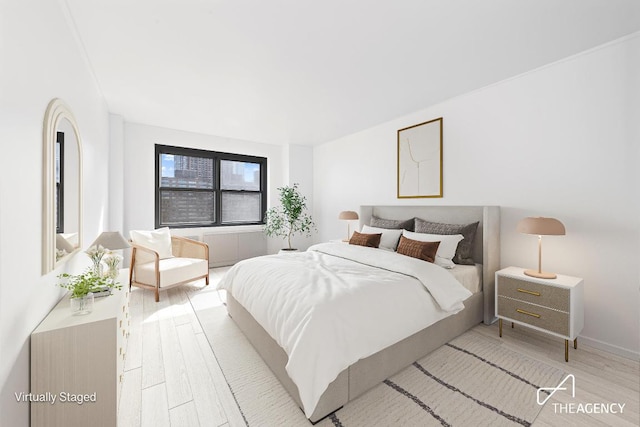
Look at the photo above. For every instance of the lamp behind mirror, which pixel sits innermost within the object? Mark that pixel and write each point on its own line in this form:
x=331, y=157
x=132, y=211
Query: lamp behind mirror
x=111, y=240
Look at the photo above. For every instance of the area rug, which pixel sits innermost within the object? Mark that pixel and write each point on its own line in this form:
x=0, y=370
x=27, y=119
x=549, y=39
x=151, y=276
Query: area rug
x=471, y=381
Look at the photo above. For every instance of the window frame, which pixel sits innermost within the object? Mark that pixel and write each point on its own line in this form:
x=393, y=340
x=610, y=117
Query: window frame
x=217, y=157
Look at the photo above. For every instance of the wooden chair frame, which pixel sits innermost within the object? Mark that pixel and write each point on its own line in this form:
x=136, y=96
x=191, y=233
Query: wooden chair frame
x=181, y=248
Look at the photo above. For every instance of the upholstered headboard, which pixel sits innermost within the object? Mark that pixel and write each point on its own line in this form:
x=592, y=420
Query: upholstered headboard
x=486, y=244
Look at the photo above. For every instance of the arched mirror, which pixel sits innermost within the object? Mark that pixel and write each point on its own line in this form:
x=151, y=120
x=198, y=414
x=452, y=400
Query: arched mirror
x=62, y=186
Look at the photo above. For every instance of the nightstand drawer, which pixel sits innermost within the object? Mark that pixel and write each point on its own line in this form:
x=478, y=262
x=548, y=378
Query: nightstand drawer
x=542, y=317
x=536, y=293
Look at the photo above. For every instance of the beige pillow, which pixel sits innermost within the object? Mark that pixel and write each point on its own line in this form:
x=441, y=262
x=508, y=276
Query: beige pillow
x=370, y=240
x=389, y=239
x=158, y=240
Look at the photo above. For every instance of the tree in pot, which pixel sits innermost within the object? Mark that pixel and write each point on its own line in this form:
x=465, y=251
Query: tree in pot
x=290, y=217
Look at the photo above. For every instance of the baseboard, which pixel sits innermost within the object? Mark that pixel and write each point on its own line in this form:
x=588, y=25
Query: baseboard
x=610, y=348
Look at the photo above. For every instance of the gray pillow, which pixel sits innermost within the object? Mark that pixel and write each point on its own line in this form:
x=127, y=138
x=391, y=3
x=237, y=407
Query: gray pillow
x=393, y=224
x=464, y=252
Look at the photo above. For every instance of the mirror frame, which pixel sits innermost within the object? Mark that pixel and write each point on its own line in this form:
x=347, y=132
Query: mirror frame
x=56, y=111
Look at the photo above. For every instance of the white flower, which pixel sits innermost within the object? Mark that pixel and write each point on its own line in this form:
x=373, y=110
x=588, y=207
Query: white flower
x=96, y=253
x=112, y=260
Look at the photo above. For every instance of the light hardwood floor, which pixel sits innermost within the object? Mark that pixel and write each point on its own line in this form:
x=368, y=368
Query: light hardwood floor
x=173, y=379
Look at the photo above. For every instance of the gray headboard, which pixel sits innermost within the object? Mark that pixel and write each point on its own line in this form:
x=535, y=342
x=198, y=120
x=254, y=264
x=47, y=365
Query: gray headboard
x=487, y=241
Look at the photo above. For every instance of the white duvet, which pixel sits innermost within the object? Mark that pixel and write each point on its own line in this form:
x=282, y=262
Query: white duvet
x=336, y=304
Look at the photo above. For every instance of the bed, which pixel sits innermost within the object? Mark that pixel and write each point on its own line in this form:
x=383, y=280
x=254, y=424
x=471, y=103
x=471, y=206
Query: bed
x=365, y=373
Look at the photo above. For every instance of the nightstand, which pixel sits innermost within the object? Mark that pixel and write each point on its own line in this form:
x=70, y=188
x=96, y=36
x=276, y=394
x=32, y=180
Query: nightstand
x=555, y=306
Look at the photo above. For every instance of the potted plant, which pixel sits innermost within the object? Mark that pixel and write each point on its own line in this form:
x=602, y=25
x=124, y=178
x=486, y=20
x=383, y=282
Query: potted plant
x=83, y=286
x=290, y=217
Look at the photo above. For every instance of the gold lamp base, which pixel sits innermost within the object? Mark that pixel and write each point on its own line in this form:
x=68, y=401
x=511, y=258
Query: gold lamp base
x=540, y=274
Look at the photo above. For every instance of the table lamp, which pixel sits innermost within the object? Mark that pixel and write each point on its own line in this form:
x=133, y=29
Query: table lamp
x=112, y=240
x=542, y=227
x=348, y=216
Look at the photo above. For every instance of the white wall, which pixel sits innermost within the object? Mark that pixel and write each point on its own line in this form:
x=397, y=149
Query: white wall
x=298, y=160
x=139, y=171
x=560, y=141
x=116, y=173
x=40, y=61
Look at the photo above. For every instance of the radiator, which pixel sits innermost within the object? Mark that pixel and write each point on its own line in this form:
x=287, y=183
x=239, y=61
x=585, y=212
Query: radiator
x=229, y=248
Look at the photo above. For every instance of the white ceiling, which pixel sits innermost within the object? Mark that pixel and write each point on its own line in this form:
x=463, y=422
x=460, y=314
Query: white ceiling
x=306, y=72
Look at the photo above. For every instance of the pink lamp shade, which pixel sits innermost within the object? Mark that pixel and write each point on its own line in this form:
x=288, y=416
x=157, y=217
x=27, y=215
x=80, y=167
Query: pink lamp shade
x=541, y=226
x=348, y=216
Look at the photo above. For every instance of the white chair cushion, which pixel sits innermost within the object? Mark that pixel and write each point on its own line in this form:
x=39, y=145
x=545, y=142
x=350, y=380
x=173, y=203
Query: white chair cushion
x=158, y=240
x=172, y=271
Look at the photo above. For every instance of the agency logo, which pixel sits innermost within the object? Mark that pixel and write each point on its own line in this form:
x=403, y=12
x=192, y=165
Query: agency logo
x=553, y=390
x=569, y=383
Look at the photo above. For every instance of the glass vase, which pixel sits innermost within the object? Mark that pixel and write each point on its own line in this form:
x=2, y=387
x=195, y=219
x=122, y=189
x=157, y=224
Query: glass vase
x=112, y=272
x=82, y=305
x=97, y=268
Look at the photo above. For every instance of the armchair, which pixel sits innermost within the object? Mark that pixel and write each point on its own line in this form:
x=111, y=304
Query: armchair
x=149, y=270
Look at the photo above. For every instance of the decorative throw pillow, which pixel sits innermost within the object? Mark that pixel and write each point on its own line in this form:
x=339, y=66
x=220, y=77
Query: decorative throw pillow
x=422, y=250
x=446, y=250
x=464, y=253
x=393, y=224
x=370, y=240
x=389, y=239
x=158, y=240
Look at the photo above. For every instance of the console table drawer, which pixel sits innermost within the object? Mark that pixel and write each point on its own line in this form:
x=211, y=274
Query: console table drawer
x=534, y=315
x=536, y=293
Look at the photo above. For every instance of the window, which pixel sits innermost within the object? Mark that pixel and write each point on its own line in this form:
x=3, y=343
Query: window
x=59, y=182
x=198, y=188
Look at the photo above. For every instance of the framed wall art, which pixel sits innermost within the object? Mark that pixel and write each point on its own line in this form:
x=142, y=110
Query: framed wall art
x=420, y=160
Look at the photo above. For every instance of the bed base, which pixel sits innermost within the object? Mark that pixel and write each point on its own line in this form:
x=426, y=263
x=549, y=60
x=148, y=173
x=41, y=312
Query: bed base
x=365, y=373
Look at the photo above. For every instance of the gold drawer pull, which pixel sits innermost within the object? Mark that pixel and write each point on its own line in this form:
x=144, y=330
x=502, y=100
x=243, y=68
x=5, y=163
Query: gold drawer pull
x=529, y=292
x=527, y=313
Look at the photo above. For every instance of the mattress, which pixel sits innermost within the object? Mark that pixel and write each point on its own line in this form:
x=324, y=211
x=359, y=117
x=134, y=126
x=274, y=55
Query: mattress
x=469, y=276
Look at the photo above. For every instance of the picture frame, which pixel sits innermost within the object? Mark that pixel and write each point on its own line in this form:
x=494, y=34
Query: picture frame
x=420, y=160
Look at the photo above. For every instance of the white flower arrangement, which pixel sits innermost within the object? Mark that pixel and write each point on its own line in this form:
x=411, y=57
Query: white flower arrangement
x=96, y=253
x=113, y=261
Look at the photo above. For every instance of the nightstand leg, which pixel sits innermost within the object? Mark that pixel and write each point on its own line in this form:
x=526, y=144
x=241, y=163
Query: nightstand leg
x=500, y=327
x=511, y=325
x=566, y=350
x=575, y=343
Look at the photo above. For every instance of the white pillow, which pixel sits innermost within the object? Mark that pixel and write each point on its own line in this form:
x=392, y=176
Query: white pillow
x=447, y=248
x=158, y=240
x=389, y=239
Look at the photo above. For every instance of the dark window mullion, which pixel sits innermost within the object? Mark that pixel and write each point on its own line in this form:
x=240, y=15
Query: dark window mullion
x=216, y=187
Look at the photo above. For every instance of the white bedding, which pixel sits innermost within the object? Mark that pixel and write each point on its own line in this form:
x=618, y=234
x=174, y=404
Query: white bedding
x=470, y=276
x=330, y=307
